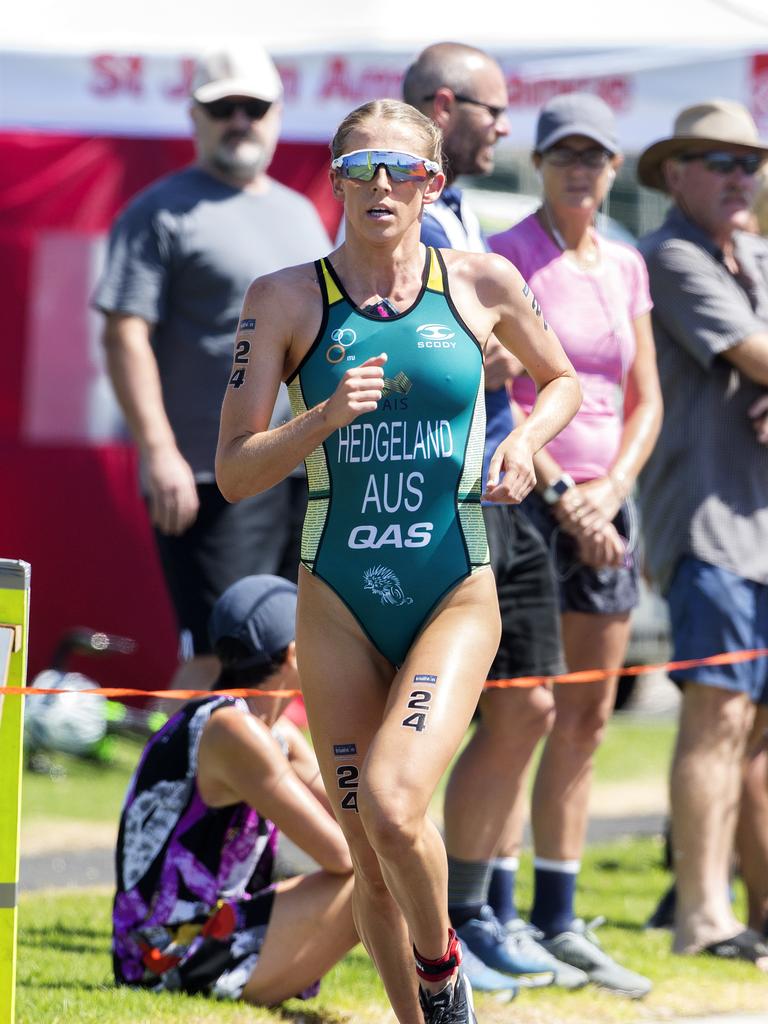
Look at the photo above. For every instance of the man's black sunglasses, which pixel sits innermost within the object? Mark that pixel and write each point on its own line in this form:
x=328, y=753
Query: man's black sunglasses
x=495, y=112
x=725, y=163
x=221, y=110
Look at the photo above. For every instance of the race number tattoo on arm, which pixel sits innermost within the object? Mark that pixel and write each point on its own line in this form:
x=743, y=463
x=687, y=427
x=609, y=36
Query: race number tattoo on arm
x=534, y=304
x=419, y=701
x=347, y=776
x=242, y=350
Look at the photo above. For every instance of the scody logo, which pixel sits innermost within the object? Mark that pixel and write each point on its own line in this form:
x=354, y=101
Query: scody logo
x=342, y=338
x=435, y=336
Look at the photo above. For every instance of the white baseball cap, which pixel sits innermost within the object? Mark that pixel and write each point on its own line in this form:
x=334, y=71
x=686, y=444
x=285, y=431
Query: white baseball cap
x=248, y=72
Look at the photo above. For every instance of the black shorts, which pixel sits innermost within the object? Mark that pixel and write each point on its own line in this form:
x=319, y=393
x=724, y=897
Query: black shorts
x=226, y=542
x=530, y=619
x=583, y=589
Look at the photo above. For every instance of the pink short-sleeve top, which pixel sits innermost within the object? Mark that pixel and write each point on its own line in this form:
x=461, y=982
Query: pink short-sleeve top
x=592, y=312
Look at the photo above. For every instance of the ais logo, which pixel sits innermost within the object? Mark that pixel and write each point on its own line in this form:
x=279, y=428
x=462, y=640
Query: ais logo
x=435, y=336
x=342, y=338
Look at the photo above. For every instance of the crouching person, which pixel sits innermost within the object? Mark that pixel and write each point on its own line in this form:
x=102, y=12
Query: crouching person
x=196, y=908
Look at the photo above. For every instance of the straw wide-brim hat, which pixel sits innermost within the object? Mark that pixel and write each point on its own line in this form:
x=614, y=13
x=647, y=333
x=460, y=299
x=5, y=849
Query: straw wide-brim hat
x=717, y=122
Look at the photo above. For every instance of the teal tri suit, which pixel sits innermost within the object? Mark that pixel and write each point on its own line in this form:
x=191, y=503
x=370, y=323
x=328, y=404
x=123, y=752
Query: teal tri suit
x=394, y=520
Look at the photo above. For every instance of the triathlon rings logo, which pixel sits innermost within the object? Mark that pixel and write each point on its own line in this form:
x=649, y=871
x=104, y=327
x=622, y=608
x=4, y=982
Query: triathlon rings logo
x=435, y=332
x=342, y=338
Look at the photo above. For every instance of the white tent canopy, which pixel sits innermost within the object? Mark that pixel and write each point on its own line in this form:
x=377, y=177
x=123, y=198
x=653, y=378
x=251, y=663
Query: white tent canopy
x=96, y=68
x=306, y=26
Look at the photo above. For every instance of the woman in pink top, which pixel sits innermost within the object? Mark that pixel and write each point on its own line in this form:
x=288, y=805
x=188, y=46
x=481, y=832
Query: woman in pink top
x=594, y=293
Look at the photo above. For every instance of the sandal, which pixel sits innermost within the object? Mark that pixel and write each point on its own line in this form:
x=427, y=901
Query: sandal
x=747, y=945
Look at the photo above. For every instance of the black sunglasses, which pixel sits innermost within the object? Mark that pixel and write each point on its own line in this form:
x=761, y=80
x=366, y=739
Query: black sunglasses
x=221, y=110
x=725, y=163
x=495, y=112
x=563, y=156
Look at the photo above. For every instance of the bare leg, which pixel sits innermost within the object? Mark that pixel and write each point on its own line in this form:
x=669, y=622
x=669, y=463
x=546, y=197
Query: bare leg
x=485, y=798
x=310, y=929
x=334, y=662
x=752, y=828
x=355, y=704
x=560, y=804
x=704, y=797
x=405, y=764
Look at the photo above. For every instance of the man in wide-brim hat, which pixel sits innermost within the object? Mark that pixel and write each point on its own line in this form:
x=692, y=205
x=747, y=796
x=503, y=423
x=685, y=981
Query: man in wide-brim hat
x=704, y=494
x=720, y=124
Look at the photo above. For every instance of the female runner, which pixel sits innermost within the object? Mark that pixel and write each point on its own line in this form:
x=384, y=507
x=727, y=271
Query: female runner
x=381, y=344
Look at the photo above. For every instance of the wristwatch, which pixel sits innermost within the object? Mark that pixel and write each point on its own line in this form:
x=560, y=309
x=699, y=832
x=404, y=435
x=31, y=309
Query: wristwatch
x=554, y=492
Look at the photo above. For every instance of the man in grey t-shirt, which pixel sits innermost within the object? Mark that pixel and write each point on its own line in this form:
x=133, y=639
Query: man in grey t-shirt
x=181, y=257
x=704, y=494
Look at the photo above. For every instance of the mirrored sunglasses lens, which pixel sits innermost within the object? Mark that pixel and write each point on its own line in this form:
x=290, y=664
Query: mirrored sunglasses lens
x=357, y=167
x=399, y=166
x=404, y=168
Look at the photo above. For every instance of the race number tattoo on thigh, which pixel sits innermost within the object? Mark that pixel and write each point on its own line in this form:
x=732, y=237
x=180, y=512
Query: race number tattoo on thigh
x=347, y=776
x=242, y=351
x=419, y=701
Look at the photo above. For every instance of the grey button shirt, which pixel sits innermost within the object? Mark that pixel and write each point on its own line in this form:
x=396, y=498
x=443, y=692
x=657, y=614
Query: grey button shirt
x=704, y=491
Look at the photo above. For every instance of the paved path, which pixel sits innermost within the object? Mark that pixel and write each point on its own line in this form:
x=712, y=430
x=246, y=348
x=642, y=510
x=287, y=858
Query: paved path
x=76, y=868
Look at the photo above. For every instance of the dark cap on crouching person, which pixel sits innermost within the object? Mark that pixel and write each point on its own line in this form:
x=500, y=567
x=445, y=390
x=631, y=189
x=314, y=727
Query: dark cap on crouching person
x=251, y=627
x=576, y=113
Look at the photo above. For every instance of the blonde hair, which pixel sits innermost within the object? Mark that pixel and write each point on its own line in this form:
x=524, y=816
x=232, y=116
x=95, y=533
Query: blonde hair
x=392, y=110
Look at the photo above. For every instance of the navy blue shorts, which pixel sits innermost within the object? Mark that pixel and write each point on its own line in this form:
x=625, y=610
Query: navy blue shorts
x=713, y=610
x=583, y=589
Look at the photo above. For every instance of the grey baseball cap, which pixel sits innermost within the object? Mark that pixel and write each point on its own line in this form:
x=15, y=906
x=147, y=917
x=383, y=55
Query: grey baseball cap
x=260, y=613
x=576, y=113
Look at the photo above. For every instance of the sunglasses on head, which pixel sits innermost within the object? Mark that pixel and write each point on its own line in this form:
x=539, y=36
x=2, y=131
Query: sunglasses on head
x=563, y=156
x=725, y=163
x=362, y=165
x=221, y=110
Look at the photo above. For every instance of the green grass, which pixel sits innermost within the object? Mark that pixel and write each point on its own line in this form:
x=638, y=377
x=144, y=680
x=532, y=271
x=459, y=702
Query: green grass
x=65, y=969
x=80, y=789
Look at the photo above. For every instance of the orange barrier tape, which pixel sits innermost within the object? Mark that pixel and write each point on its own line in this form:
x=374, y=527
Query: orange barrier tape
x=596, y=675
x=107, y=691
x=592, y=675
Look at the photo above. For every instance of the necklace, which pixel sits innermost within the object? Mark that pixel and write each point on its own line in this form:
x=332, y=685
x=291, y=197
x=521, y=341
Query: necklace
x=586, y=260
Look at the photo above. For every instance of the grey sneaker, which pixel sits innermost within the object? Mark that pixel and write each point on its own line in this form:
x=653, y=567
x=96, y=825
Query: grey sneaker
x=529, y=939
x=580, y=948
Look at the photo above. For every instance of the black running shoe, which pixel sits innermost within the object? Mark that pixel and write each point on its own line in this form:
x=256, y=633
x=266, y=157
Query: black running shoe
x=664, y=914
x=451, y=1006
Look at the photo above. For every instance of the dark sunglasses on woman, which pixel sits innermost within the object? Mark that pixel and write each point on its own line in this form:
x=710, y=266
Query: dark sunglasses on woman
x=563, y=156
